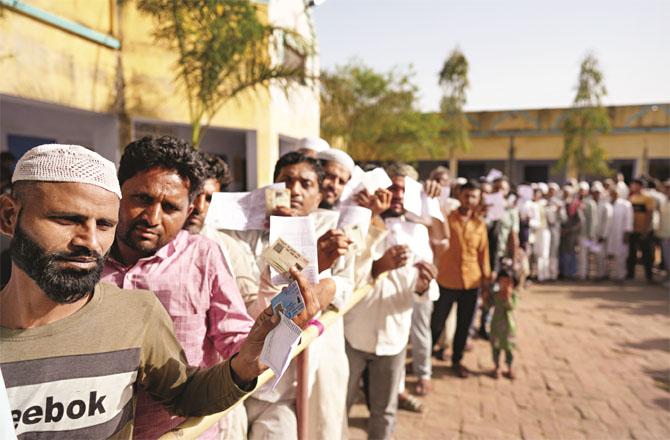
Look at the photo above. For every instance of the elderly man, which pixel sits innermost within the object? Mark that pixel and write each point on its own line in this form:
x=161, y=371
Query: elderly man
x=75, y=352
x=621, y=227
x=160, y=179
x=587, y=231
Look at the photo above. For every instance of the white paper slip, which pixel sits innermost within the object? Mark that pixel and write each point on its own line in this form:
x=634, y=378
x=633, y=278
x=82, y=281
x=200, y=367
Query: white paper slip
x=354, y=185
x=412, y=198
x=375, y=179
x=240, y=211
x=355, y=215
x=300, y=233
x=445, y=195
x=495, y=203
x=411, y=234
x=278, y=345
x=430, y=209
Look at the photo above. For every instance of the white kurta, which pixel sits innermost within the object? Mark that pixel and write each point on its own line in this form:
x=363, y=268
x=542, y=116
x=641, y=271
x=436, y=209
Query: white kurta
x=622, y=222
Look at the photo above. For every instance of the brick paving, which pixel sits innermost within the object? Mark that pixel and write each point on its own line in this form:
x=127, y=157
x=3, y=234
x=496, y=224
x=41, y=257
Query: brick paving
x=593, y=362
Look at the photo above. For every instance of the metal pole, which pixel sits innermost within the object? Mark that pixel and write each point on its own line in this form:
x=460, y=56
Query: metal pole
x=302, y=395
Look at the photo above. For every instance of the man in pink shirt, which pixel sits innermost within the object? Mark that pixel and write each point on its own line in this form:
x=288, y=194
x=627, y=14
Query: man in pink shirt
x=160, y=178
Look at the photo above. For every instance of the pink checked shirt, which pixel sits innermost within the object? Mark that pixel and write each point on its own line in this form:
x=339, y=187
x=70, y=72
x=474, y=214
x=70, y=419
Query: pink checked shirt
x=192, y=281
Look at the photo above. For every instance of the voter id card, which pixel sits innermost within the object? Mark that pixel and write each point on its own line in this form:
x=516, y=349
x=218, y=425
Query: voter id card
x=289, y=301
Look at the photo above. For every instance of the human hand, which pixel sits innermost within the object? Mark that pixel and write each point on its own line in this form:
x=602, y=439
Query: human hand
x=378, y=202
x=394, y=257
x=427, y=273
x=432, y=188
x=330, y=246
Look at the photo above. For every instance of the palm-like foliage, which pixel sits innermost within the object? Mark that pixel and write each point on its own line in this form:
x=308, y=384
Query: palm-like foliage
x=454, y=81
x=223, y=49
x=584, y=122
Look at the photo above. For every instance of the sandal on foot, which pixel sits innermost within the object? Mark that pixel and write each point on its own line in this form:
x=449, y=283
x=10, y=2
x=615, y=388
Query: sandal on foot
x=410, y=403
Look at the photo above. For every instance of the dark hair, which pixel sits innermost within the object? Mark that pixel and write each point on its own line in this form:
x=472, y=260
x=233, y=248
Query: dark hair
x=637, y=180
x=504, y=273
x=471, y=184
x=163, y=152
x=217, y=168
x=296, y=157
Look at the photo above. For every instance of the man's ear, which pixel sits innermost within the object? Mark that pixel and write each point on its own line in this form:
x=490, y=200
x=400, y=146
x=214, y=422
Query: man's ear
x=9, y=214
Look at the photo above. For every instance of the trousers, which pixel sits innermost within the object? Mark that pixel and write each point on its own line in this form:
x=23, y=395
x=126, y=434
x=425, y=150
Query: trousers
x=384, y=373
x=466, y=304
x=421, y=339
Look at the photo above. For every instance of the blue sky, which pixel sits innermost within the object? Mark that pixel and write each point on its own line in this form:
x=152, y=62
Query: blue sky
x=522, y=53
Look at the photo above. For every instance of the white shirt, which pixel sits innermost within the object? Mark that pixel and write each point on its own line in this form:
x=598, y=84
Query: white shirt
x=381, y=321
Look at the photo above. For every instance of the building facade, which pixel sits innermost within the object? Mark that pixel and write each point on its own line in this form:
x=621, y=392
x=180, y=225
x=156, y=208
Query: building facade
x=90, y=72
x=525, y=144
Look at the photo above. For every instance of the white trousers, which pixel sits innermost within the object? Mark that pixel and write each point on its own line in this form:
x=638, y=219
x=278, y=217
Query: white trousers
x=583, y=258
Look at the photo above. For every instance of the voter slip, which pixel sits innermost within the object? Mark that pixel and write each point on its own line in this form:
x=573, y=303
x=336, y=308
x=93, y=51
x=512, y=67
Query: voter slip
x=278, y=345
x=281, y=256
x=355, y=234
x=275, y=198
x=289, y=301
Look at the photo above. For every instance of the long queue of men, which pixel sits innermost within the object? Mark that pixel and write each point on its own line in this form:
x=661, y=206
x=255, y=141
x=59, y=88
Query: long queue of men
x=126, y=309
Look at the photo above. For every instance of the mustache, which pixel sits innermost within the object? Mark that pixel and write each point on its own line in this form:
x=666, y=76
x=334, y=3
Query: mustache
x=79, y=254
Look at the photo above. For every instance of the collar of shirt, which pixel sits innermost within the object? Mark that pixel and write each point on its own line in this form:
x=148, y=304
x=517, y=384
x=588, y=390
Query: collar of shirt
x=161, y=254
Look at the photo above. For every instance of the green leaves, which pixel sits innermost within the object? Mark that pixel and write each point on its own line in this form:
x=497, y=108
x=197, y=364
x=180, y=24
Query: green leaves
x=374, y=115
x=454, y=81
x=588, y=118
x=223, y=49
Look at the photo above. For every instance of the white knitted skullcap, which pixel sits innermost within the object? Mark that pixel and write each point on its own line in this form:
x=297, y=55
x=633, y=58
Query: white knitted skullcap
x=543, y=187
x=554, y=186
x=584, y=186
x=67, y=163
x=314, y=143
x=339, y=156
x=597, y=187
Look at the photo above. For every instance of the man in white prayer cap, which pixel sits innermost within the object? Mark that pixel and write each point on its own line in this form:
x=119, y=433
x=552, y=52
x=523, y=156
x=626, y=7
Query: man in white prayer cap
x=603, y=225
x=67, y=339
x=310, y=146
x=337, y=166
x=587, y=232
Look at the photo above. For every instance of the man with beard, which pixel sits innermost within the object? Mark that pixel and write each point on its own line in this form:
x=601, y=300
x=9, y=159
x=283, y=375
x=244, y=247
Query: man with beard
x=74, y=352
x=160, y=179
x=464, y=269
x=378, y=327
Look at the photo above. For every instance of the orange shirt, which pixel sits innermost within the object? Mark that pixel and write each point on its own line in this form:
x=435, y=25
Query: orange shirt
x=466, y=262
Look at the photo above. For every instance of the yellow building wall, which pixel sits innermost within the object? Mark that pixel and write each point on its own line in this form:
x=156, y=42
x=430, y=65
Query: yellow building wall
x=44, y=63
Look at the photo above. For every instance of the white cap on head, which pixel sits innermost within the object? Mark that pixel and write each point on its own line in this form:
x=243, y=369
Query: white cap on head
x=314, y=143
x=543, y=187
x=461, y=181
x=584, y=186
x=554, y=186
x=339, y=156
x=597, y=187
x=67, y=163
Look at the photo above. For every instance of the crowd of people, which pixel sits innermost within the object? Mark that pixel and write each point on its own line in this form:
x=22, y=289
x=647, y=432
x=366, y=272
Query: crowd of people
x=125, y=309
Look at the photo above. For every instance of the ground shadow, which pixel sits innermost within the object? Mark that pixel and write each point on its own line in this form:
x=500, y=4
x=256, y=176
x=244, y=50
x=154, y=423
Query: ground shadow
x=661, y=344
x=632, y=297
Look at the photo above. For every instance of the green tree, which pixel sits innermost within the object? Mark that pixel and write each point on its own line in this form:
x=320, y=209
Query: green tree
x=223, y=49
x=374, y=115
x=454, y=81
x=582, y=154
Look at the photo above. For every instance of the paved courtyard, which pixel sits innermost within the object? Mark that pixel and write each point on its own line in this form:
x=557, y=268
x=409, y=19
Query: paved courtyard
x=593, y=362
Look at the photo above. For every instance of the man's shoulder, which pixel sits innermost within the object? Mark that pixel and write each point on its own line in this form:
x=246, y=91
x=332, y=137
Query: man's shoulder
x=126, y=299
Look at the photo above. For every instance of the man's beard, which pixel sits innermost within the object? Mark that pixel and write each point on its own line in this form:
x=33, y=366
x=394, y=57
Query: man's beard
x=63, y=286
x=326, y=205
